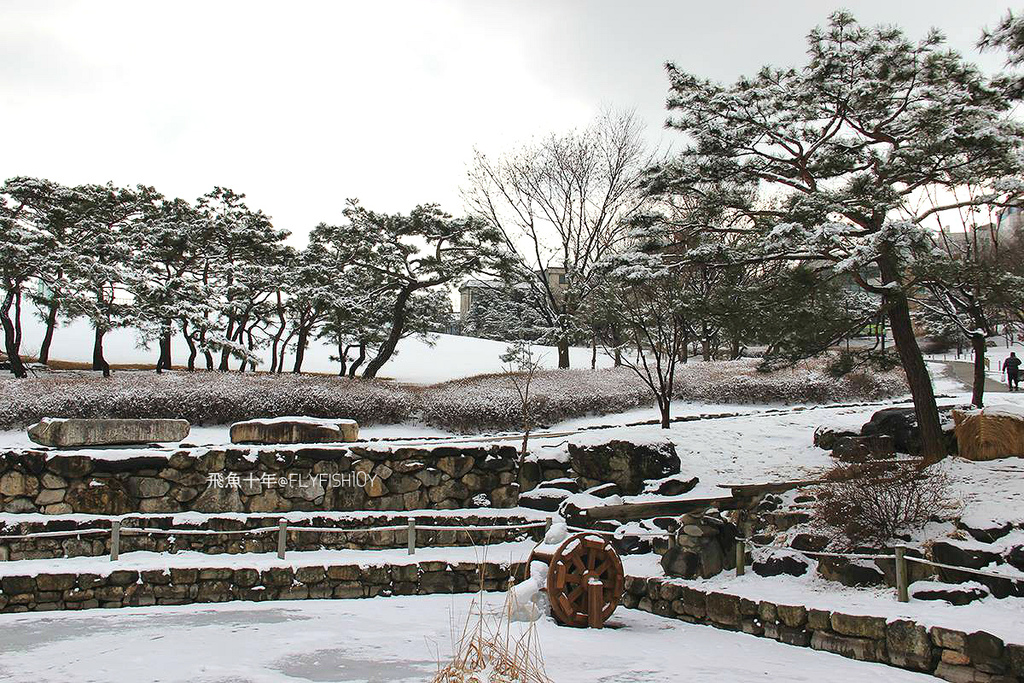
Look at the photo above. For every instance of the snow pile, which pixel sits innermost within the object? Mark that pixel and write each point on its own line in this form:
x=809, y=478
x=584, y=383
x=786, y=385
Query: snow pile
x=529, y=600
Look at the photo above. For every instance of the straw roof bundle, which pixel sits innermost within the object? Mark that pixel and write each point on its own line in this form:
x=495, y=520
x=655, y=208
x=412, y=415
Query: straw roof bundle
x=990, y=433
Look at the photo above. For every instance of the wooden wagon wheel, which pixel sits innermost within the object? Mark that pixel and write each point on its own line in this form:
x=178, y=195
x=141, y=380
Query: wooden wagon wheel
x=585, y=581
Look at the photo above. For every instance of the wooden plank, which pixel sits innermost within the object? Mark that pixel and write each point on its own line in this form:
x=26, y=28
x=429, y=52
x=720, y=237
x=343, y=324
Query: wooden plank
x=659, y=508
x=747, y=490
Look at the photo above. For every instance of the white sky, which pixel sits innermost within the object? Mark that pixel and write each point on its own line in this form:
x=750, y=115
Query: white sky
x=300, y=104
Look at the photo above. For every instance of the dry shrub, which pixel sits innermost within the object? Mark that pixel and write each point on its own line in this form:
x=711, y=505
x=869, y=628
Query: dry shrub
x=875, y=503
x=486, y=650
x=989, y=434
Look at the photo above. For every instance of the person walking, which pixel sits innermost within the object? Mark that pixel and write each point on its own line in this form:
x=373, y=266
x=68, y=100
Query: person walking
x=1011, y=366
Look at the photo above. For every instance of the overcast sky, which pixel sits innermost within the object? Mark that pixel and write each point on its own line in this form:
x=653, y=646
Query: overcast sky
x=301, y=104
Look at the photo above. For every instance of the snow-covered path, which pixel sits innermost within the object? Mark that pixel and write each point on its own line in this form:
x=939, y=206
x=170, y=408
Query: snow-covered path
x=383, y=639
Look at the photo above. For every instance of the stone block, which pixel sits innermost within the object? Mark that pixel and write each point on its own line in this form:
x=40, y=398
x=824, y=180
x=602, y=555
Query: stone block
x=909, y=646
x=864, y=649
x=858, y=626
x=294, y=430
x=71, y=432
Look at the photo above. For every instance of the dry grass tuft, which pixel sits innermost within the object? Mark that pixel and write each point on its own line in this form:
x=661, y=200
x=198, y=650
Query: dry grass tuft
x=487, y=651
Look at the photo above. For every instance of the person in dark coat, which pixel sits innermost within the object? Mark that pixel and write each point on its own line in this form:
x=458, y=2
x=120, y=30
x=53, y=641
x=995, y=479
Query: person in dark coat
x=1011, y=366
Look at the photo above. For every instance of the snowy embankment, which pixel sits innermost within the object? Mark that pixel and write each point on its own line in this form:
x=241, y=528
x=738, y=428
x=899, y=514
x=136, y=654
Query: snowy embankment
x=417, y=361
x=386, y=639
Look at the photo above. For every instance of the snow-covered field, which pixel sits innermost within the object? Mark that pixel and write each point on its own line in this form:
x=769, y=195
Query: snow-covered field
x=416, y=361
x=383, y=639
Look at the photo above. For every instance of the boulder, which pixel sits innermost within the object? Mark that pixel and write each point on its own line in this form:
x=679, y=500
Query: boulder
x=73, y=432
x=826, y=437
x=627, y=464
x=776, y=564
x=954, y=594
x=294, y=430
x=543, y=498
x=901, y=425
x=676, y=486
x=861, y=448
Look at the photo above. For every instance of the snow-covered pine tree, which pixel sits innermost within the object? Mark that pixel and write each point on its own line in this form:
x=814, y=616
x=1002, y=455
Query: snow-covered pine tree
x=103, y=269
x=406, y=256
x=845, y=144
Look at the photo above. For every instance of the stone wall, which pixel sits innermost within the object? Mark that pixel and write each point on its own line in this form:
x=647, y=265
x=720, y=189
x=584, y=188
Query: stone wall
x=267, y=479
x=129, y=588
x=957, y=656
x=93, y=545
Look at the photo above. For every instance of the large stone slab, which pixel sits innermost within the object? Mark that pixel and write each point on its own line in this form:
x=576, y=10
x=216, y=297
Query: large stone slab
x=73, y=432
x=279, y=430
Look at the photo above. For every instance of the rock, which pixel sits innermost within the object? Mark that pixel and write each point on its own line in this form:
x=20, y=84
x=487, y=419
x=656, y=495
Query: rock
x=676, y=487
x=985, y=649
x=604, y=491
x=864, y=649
x=850, y=573
x=16, y=483
x=908, y=645
x=543, y=498
x=70, y=432
x=455, y=466
x=723, y=609
x=567, y=483
x=148, y=487
x=948, y=552
x=954, y=594
x=626, y=464
x=99, y=497
x=809, y=542
x=294, y=430
x=861, y=448
x=826, y=437
x=859, y=626
x=218, y=499
x=901, y=425
x=776, y=564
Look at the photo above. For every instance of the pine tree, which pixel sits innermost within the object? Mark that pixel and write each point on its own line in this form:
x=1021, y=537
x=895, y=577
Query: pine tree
x=847, y=143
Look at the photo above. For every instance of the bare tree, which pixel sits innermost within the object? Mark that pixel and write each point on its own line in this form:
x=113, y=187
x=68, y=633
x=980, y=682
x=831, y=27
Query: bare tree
x=560, y=205
x=520, y=367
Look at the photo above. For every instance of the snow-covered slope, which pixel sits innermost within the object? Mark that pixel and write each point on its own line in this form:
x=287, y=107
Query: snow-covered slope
x=416, y=362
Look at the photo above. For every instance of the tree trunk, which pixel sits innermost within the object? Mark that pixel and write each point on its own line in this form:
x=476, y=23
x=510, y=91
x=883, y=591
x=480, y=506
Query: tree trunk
x=225, y=353
x=17, y=319
x=358, y=361
x=10, y=339
x=705, y=347
x=593, y=353
x=51, y=324
x=300, y=349
x=933, y=446
x=192, y=351
x=341, y=358
x=665, y=407
x=978, y=393
x=391, y=343
x=164, y=361
x=563, y=353
x=98, y=361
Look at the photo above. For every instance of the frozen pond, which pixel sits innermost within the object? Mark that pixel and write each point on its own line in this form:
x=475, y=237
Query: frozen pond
x=383, y=639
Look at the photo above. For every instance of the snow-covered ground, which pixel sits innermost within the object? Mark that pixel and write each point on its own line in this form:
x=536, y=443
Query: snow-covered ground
x=383, y=639
x=416, y=361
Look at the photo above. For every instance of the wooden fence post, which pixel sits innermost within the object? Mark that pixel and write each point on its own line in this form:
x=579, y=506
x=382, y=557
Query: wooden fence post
x=741, y=557
x=115, y=539
x=412, y=536
x=282, y=537
x=902, y=593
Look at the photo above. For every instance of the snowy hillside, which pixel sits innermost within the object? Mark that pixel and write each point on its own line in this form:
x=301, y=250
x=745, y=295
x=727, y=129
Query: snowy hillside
x=416, y=361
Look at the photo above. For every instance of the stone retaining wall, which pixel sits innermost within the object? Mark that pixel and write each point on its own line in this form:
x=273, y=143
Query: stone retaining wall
x=956, y=656
x=93, y=545
x=268, y=479
x=128, y=588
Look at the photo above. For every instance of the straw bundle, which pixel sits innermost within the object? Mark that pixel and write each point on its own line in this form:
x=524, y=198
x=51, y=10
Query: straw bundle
x=990, y=433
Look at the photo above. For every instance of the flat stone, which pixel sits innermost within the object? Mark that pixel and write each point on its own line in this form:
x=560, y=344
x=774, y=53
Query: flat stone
x=294, y=430
x=908, y=645
x=70, y=432
x=18, y=484
x=859, y=626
